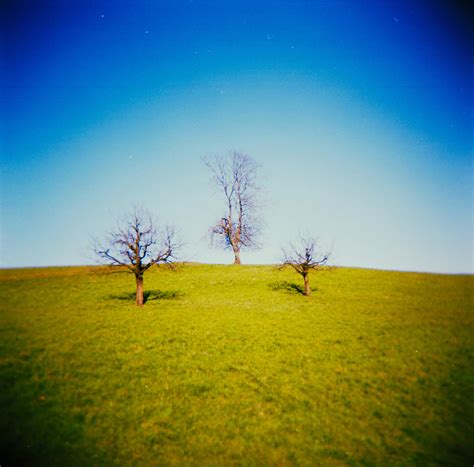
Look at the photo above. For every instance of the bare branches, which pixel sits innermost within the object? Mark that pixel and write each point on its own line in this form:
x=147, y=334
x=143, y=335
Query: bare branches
x=304, y=258
x=236, y=176
x=166, y=254
x=137, y=244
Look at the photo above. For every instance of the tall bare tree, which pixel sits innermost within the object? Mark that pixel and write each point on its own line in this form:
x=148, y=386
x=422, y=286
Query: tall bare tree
x=138, y=243
x=236, y=177
x=304, y=258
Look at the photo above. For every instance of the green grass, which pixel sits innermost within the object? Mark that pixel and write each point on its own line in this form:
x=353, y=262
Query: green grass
x=232, y=365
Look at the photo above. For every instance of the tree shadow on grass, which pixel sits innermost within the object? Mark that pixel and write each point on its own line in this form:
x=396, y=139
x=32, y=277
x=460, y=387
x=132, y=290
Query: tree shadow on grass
x=287, y=287
x=148, y=295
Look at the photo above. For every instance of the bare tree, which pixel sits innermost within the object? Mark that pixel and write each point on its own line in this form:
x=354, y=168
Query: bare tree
x=236, y=177
x=137, y=244
x=304, y=258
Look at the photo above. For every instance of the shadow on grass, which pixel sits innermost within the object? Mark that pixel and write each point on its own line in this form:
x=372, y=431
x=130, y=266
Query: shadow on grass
x=35, y=427
x=148, y=295
x=287, y=287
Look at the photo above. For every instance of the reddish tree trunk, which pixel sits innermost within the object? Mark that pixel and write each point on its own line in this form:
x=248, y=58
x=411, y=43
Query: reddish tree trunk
x=307, y=289
x=237, y=256
x=140, y=300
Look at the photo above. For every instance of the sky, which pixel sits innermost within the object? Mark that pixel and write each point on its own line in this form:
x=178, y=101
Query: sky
x=360, y=114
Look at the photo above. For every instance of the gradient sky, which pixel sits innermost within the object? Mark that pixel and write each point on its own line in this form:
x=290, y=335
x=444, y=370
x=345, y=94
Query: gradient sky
x=359, y=112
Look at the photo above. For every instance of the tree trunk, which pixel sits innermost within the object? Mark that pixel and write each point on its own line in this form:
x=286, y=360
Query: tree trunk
x=139, y=280
x=237, y=256
x=307, y=289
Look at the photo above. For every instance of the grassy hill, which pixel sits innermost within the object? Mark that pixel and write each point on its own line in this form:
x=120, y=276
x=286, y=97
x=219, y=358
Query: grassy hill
x=232, y=365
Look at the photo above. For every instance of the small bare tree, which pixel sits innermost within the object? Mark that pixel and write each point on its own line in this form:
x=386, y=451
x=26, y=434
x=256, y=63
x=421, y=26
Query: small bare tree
x=137, y=244
x=236, y=177
x=304, y=258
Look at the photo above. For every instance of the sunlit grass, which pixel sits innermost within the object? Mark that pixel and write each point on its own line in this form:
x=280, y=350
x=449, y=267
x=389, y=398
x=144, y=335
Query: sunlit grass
x=233, y=365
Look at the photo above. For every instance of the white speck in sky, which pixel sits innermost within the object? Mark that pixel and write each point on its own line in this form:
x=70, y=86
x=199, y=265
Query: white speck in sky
x=195, y=52
x=146, y=31
x=101, y=16
x=292, y=46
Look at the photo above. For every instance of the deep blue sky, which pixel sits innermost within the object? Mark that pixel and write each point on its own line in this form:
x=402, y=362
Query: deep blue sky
x=359, y=112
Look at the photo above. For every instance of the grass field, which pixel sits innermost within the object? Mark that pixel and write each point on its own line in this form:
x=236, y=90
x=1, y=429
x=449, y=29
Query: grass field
x=232, y=365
